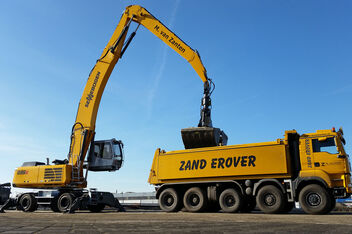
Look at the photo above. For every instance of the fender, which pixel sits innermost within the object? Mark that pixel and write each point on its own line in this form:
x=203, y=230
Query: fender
x=269, y=181
x=318, y=175
x=164, y=186
x=299, y=180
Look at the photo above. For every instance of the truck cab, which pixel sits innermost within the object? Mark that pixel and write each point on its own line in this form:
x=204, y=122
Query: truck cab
x=323, y=156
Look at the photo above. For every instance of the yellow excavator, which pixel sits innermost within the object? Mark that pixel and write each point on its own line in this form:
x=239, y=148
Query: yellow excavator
x=68, y=177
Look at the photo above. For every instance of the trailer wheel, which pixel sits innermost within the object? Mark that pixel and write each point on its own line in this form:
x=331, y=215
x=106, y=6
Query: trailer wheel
x=169, y=200
x=194, y=200
x=270, y=199
x=64, y=202
x=230, y=201
x=96, y=208
x=27, y=203
x=315, y=199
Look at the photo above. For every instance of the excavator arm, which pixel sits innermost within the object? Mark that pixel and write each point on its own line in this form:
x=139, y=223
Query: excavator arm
x=84, y=127
x=69, y=173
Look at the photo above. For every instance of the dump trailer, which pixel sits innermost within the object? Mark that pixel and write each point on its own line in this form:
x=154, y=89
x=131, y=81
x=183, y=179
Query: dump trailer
x=311, y=168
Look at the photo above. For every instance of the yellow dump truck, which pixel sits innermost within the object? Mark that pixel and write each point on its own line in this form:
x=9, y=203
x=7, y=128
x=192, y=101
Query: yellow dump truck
x=311, y=168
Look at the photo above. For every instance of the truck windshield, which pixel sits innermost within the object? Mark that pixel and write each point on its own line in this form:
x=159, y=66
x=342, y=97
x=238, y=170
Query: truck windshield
x=325, y=146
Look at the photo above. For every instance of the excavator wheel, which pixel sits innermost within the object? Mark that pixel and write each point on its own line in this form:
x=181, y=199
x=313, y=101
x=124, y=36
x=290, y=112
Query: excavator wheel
x=27, y=203
x=203, y=137
x=64, y=202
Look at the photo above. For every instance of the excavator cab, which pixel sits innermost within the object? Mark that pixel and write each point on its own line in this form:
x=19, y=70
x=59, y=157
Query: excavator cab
x=105, y=155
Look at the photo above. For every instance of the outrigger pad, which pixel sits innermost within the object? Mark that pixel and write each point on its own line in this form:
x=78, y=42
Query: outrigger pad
x=203, y=137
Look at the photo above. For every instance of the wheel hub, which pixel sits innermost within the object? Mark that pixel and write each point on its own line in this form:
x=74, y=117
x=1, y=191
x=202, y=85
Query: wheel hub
x=269, y=199
x=313, y=199
x=230, y=200
x=194, y=200
x=64, y=202
x=169, y=200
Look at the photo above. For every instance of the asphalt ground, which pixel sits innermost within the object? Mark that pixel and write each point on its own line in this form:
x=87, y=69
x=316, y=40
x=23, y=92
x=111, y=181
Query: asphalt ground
x=138, y=221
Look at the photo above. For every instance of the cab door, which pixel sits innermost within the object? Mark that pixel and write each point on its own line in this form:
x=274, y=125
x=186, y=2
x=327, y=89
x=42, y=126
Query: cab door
x=326, y=156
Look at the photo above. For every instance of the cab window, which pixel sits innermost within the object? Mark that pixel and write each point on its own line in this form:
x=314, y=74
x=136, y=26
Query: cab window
x=117, y=149
x=107, y=151
x=325, y=146
x=103, y=150
x=97, y=150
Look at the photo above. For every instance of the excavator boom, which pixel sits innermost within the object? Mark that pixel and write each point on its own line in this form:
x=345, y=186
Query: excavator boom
x=88, y=107
x=69, y=173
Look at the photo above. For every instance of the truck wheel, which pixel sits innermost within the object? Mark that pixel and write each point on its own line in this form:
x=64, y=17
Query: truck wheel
x=230, y=201
x=64, y=202
x=315, y=199
x=270, y=199
x=169, y=200
x=194, y=200
x=27, y=203
x=96, y=208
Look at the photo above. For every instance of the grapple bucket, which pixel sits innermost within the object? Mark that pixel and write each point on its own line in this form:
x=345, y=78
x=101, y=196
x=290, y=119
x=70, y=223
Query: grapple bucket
x=203, y=137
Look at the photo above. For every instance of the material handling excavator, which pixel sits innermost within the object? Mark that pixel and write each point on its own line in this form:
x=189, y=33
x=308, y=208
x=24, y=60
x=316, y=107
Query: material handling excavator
x=68, y=178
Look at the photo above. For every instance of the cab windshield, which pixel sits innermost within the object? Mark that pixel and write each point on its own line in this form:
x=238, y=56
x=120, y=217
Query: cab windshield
x=327, y=145
x=117, y=149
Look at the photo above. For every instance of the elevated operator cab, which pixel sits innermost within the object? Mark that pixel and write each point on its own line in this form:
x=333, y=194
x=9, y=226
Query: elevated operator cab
x=106, y=155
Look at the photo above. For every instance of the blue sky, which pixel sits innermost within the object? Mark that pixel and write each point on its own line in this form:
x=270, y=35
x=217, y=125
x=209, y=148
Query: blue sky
x=277, y=65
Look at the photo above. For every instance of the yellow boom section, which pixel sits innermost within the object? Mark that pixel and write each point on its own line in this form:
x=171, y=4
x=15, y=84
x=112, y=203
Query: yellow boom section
x=83, y=130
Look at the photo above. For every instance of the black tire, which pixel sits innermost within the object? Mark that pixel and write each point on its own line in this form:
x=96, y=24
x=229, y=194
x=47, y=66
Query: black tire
x=230, y=200
x=169, y=200
x=314, y=199
x=64, y=202
x=270, y=199
x=195, y=200
x=96, y=208
x=27, y=203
